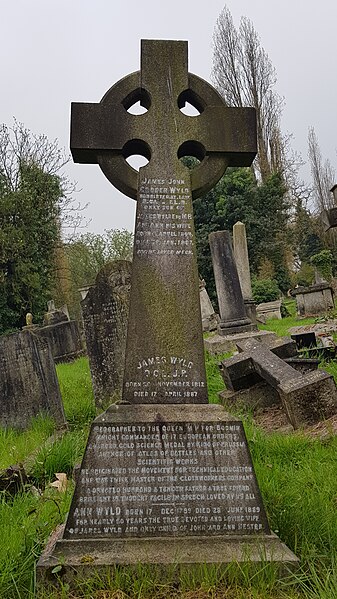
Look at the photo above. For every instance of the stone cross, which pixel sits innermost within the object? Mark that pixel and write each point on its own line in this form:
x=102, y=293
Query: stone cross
x=164, y=351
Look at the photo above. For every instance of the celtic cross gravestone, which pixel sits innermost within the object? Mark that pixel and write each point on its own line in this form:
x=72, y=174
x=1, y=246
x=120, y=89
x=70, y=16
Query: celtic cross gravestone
x=166, y=477
x=164, y=332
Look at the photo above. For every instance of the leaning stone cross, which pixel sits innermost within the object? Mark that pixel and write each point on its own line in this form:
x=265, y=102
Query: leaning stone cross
x=164, y=351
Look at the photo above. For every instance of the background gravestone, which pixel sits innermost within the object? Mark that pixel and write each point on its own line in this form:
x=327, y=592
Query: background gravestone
x=233, y=316
x=240, y=250
x=62, y=334
x=28, y=382
x=208, y=317
x=105, y=311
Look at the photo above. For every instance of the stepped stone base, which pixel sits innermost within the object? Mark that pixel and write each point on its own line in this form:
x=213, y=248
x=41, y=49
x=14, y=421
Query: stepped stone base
x=167, y=485
x=219, y=344
x=84, y=558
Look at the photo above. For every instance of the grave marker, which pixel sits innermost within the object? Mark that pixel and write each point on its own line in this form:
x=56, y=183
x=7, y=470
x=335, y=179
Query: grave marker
x=28, y=382
x=240, y=249
x=170, y=480
x=233, y=316
x=105, y=316
x=306, y=398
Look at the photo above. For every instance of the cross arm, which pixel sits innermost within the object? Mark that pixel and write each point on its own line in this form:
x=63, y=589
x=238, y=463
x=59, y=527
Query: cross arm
x=230, y=131
x=96, y=128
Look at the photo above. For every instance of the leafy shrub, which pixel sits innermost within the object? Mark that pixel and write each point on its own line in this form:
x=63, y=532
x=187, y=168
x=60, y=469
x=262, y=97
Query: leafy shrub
x=265, y=290
x=323, y=263
x=304, y=276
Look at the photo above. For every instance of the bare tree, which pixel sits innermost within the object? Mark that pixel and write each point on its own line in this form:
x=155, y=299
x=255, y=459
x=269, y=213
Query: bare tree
x=245, y=76
x=322, y=172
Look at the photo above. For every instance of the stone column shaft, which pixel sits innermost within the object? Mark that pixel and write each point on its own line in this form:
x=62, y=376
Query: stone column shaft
x=233, y=318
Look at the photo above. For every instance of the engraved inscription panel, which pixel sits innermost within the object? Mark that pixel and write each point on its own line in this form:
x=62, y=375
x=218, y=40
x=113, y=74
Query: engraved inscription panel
x=154, y=479
x=165, y=362
x=165, y=224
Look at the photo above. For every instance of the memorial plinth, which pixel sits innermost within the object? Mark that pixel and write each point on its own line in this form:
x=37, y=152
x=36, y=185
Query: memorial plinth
x=166, y=478
x=166, y=485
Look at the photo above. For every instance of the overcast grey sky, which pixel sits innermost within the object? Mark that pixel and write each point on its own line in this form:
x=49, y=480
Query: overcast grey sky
x=54, y=52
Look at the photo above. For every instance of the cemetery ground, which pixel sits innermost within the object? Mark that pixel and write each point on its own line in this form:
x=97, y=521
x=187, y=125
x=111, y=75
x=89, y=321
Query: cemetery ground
x=297, y=475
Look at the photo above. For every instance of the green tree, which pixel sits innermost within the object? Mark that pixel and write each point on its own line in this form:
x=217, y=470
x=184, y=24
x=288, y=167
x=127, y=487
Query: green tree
x=262, y=207
x=32, y=198
x=88, y=253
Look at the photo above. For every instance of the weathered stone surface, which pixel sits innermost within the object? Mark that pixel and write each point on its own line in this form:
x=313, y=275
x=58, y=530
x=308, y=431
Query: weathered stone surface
x=310, y=400
x=283, y=347
x=258, y=396
x=202, y=468
x=306, y=398
x=268, y=310
x=166, y=472
x=239, y=371
x=28, y=382
x=303, y=364
x=64, y=339
x=105, y=310
x=304, y=339
x=159, y=472
x=241, y=257
x=208, y=317
x=233, y=318
x=218, y=344
x=54, y=316
x=314, y=300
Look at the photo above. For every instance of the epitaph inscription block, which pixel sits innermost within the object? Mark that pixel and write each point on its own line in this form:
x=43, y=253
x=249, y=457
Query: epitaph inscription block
x=162, y=479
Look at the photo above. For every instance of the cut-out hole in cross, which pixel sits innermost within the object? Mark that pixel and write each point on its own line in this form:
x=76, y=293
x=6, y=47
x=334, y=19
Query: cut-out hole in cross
x=137, y=108
x=137, y=161
x=190, y=104
x=191, y=153
x=137, y=153
x=137, y=102
x=190, y=110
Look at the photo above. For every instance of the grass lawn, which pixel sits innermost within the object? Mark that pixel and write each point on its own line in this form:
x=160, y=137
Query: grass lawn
x=297, y=477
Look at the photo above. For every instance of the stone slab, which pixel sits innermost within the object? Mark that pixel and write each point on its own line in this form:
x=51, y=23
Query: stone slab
x=84, y=558
x=174, y=473
x=257, y=396
x=28, y=381
x=218, y=344
x=269, y=310
x=330, y=326
x=64, y=339
x=306, y=398
x=105, y=310
x=310, y=400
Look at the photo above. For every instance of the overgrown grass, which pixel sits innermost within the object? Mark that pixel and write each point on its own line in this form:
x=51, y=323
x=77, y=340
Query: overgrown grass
x=214, y=380
x=76, y=390
x=16, y=446
x=26, y=521
x=281, y=327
